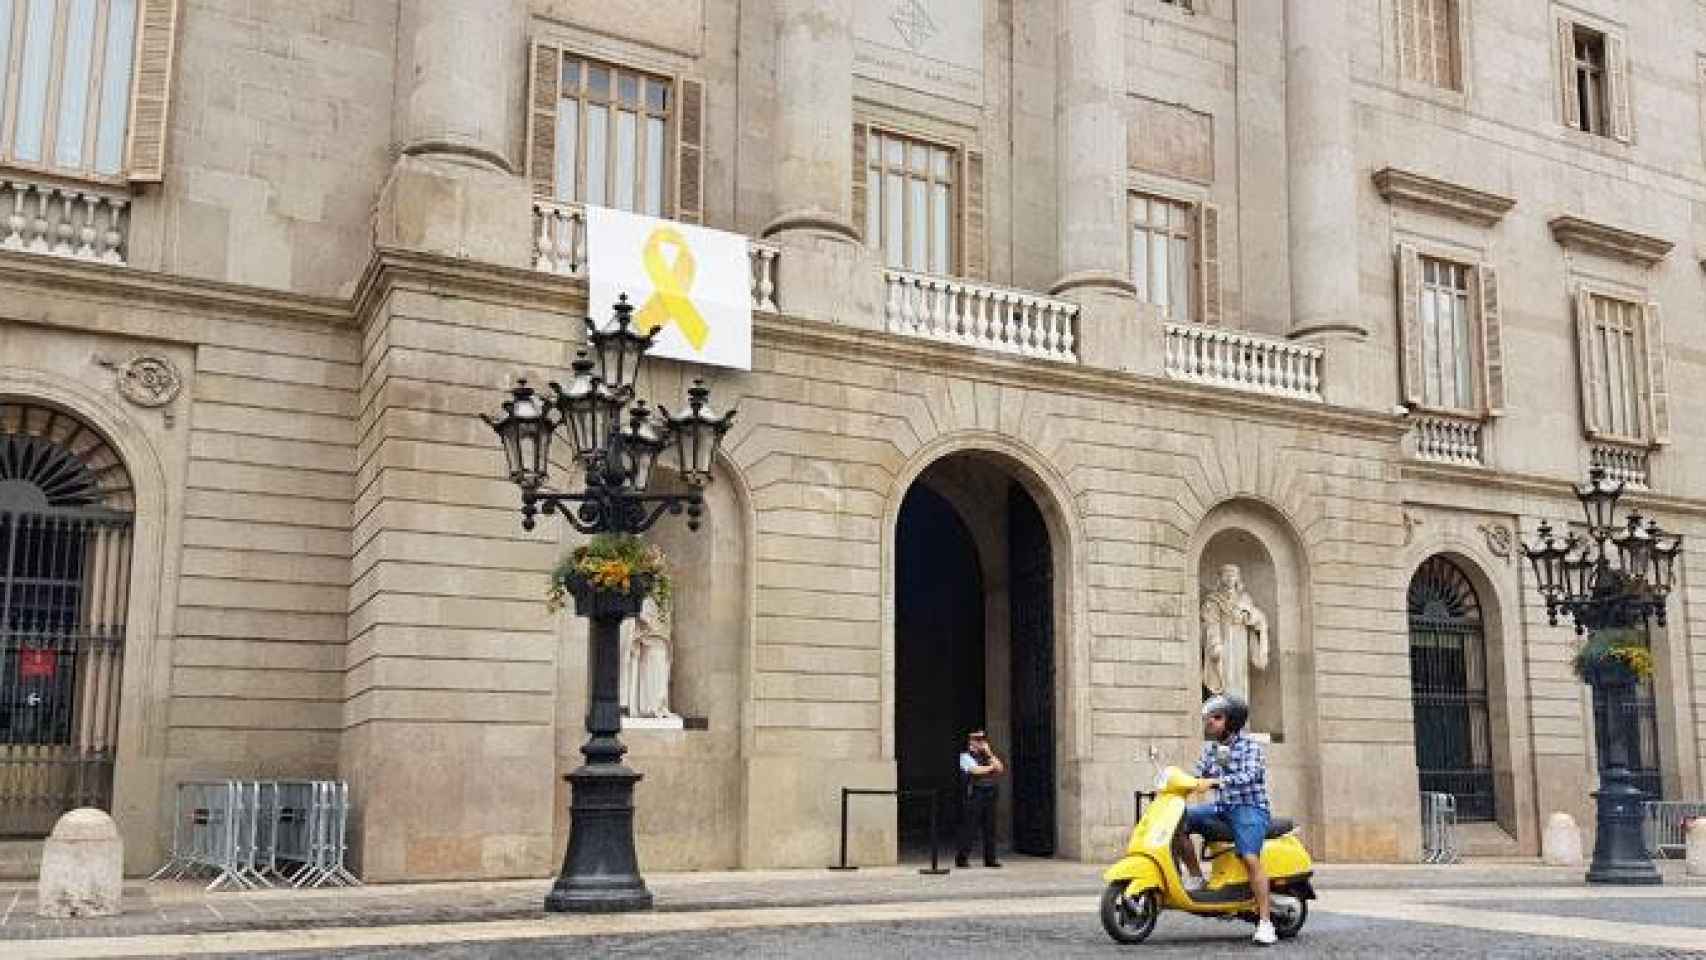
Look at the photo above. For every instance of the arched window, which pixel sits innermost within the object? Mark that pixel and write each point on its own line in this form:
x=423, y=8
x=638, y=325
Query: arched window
x=65, y=536
x=1448, y=685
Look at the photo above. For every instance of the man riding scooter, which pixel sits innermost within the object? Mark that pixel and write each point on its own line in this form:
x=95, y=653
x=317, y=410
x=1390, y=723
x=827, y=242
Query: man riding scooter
x=1233, y=764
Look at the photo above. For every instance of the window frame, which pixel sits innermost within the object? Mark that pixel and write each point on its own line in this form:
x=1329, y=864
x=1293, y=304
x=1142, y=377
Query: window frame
x=1486, y=374
x=1594, y=368
x=1196, y=312
x=1472, y=328
x=878, y=133
x=614, y=105
x=147, y=54
x=1609, y=80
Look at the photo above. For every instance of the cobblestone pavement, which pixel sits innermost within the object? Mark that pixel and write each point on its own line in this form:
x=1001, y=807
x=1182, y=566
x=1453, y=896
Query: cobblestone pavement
x=1032, y=908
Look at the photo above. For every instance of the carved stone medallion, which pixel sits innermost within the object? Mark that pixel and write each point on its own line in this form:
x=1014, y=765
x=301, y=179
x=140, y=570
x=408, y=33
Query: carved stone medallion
x=1498, y=539
x=148, y=381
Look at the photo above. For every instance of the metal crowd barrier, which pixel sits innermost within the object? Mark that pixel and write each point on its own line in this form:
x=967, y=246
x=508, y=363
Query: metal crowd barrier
x=935, y=867
x=261, y=833
x=1439, y=828
x=1664, y=825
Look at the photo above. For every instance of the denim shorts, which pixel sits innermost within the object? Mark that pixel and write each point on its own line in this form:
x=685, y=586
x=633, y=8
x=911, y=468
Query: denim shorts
x=1249, y=825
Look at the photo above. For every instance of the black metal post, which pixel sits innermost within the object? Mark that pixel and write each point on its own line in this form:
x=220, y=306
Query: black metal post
x=843, y=864
x=600, y=871
x=1619, y=851
x=936, y=869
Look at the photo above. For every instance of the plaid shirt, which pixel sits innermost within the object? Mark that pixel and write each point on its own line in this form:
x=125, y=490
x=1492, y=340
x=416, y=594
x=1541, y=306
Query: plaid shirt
x=1244, y=781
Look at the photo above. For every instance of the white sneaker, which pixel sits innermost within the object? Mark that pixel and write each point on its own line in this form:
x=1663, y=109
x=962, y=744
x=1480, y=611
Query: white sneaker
x=1265, y=934
x=1194, y=884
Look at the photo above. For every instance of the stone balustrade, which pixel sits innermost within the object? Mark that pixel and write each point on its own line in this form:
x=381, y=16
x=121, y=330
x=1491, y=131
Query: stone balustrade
x=950, y=310
x=1447, y=439
x=1628, y=464
x=1243, y=361
x=84, y=223
x=560, y=247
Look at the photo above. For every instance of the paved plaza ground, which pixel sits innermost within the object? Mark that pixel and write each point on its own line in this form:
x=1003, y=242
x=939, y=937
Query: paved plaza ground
x=1030, y=909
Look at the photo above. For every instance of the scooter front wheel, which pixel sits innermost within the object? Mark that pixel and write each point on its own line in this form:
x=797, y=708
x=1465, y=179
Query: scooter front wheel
x=1129, y=919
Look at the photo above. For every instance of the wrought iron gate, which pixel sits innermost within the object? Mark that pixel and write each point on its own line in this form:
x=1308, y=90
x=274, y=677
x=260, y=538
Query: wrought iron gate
x=64, y=588
x=1030, y=592
x=1448, y=686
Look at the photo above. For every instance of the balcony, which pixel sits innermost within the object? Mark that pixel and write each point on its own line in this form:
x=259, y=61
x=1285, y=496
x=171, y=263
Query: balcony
x=559, y=246
x=1442, y=438
x=1242, y=361
x=60, y=220
x=950, y=310
x=1625, y=463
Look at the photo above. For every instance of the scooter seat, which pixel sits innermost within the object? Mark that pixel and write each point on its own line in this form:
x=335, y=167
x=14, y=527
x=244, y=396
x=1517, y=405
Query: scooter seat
x=1219, y=832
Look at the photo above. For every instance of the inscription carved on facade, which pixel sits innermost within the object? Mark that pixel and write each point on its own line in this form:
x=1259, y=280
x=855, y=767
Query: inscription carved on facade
x=932, y=46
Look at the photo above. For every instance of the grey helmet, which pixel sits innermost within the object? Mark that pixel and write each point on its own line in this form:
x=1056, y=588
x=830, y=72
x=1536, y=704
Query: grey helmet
x=1236, y=709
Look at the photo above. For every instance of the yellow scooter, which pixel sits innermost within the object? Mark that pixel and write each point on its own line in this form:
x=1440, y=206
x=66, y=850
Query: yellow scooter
x=1146, y=881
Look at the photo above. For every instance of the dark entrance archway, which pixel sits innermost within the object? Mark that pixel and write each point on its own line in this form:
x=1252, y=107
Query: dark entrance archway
x=1448, y=686
x=974, y=646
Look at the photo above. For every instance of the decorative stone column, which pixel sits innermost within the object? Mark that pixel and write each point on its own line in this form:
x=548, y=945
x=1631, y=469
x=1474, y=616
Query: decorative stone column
x=1321, y=170
x=814, y=119
x=1090, y=96
x=457, y=122
x=840, y=280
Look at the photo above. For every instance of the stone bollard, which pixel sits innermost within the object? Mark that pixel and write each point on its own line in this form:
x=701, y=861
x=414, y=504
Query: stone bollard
x=82, y=867
x=1561, y=844
x=1696, y=863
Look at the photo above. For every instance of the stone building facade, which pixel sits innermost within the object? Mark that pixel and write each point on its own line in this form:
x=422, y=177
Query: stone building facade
x=1061, y=306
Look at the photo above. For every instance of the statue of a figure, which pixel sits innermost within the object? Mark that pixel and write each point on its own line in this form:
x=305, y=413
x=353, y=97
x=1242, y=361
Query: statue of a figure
x=646, y=656
x=1234, y=635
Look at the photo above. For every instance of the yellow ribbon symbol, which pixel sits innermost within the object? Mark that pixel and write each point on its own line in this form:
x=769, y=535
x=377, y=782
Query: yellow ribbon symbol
x=669, y=300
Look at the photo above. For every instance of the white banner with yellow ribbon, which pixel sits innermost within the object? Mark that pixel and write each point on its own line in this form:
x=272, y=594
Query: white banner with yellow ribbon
x=693, y=283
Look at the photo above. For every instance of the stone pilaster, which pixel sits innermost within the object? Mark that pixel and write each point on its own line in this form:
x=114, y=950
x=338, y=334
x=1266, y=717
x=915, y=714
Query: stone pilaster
x=1321, y=166
x=457, y=125
x=1090, y=92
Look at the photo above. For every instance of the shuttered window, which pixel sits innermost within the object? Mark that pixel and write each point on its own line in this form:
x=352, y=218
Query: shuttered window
x=1452, y=334
x=613, y=136
x=1428, y=43
x=911, y=192
x=1620, y=349
x=1175, y=257
x=1594, y=81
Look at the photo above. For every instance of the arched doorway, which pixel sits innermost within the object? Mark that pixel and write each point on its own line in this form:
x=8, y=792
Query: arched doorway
x=974, y=646
x=66, y=509
x=1448, y=687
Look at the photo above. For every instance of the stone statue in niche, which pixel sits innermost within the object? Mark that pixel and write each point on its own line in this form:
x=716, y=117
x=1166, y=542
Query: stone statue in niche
x=1234, y=635
x=647, y=652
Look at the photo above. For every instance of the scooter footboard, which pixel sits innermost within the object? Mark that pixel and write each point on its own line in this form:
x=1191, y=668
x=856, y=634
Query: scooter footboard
x=1139, y=873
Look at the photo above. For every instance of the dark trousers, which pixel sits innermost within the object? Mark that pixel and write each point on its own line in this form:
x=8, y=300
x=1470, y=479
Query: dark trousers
x=979, y=816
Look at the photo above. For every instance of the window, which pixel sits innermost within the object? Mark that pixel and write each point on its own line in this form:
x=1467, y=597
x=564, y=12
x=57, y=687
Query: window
x=1594, y=80
x=1621, y=351
x=614, y=136
x=1189, y=6
x=1428, y=48
x=1175, y=257
x=910, y=201
x=1448, y=351
x=1451, y=335
x=65, y=92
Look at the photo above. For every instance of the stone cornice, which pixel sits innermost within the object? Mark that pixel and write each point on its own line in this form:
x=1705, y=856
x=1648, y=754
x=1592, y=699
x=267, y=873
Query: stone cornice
x=928, y=356
x=392, y=267
x=211, y=298
x=1607, y=241
x=1532, y=490
x=1442, y=197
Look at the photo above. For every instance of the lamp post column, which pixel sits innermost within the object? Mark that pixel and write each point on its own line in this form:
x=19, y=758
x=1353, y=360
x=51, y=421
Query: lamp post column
x=601, y=873
x=1619, y=851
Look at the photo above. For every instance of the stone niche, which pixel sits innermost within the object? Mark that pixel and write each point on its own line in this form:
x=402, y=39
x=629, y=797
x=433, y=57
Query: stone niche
x=1241, y=549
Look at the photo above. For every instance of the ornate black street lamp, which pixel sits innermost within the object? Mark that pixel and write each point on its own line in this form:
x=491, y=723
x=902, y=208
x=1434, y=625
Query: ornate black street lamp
x=1616, y=578
x=617, y=447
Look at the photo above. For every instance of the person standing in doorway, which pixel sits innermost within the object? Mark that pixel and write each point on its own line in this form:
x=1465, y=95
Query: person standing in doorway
x=980, y=769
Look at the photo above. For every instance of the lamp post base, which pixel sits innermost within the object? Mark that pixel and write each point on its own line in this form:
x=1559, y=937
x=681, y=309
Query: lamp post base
x=1619, y=851
x=600, y=873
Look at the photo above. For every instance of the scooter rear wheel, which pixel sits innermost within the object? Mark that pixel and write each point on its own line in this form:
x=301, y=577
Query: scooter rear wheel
x=1129, y=919
x=1289, y=913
